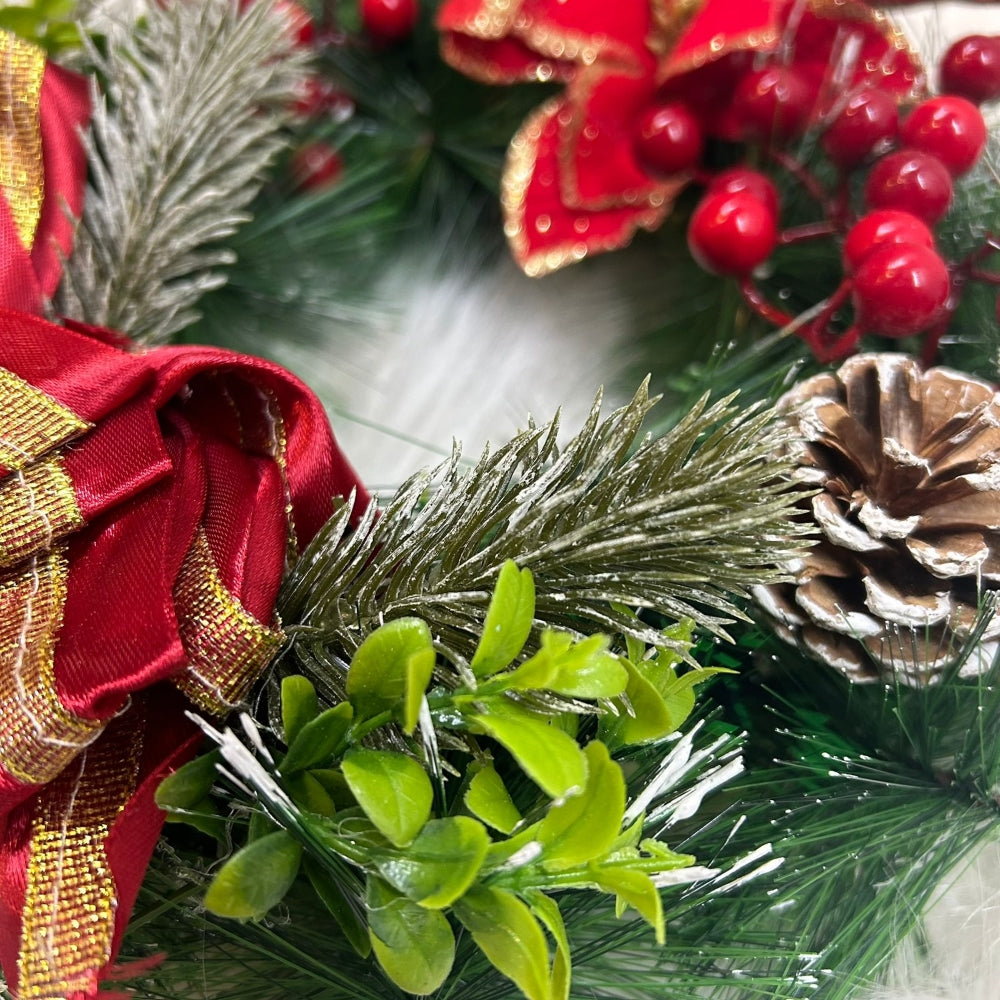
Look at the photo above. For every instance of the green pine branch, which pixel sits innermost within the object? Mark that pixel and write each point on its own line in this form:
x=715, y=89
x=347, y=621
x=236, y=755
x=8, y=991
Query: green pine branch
x=679, y=524
x=876, y=794
x=195, y=99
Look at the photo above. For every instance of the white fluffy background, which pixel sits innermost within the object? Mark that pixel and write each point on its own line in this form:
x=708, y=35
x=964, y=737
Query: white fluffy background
x=470, y=353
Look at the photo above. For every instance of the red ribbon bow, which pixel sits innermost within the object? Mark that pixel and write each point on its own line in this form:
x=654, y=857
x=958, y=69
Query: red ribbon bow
x=149, y=505
x=573, y=184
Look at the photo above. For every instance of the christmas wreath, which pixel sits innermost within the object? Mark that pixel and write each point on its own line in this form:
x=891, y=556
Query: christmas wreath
x=700, y=699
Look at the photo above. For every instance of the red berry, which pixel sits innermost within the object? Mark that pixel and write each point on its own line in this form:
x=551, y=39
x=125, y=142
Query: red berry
x=951, y=128
x=731, y=233
x=751, y=181
x=773, y=103
x=971, y=68
x=316, y=97
x=900, y=290
x=668, y=138
x=389, y=21
x=911, y=181
x=883, y=227
x=316, y=166
x=868, y=120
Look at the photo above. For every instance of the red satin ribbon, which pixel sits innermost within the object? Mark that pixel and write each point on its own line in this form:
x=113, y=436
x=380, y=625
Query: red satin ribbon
x=187, y=442
x=149, y=505
x=29, y=275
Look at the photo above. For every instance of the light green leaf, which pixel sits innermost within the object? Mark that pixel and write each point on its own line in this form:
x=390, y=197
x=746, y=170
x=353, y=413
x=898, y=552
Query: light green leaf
x=633, y=888
x=547, y=911
x=189, y=785
x=509, y=936
x=419, y=670
x=582, y=669
x=587, y=670
x=440, y=864
x=255, y=878
x=642, y=714
x=550, y=757
x=678, y=691
x=377, y=678
x=508, y=621
x=318, y=739
x=487, y=798
x=584, y=828
x=392, y=789
x=415, y=946
x=310, y=795
x=335, y=785
x=335, y=898
x=628, y=840
x=299, y=705
x=203, y=816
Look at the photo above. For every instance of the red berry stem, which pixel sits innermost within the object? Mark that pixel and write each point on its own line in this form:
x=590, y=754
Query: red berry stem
x=839, y=348
x=816, y=334
x=808, y=231
x=754, y=298
x=967, y=268
x=805, y=177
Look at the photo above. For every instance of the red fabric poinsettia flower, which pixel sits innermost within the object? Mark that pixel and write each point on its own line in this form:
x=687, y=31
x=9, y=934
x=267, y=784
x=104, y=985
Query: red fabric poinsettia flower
x=573, y=183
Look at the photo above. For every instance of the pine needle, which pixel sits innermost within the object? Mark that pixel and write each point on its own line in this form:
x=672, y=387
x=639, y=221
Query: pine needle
x=679, y=524
x=195, y=98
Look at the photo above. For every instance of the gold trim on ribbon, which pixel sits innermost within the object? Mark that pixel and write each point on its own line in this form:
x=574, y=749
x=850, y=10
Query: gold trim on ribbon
x=22, y=66
x=519, y=169
x=37, y=507
x=39, y=736
x=31, y=423
x=71, y=898
x=227, y=647
x=670, y=20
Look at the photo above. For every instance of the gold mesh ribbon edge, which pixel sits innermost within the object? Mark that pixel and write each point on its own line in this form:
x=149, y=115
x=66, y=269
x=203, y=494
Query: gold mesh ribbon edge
x=31, y=422
x=39, y=736
x=22, y=67
x=37, y=507
x=227, y=647
x=70, y=900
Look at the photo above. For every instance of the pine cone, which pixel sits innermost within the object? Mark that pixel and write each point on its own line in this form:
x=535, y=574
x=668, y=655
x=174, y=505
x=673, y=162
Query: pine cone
x=907, y=464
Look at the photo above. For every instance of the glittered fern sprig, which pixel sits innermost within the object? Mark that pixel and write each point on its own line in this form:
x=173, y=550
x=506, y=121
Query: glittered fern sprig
x=392, y=853
x=195, y=99
x=677, y=523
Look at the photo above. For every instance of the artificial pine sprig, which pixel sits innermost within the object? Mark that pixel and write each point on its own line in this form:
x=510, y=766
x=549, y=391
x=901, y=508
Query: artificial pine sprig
x=875, y=795
x=195, y=99
x=678, y=524
x=390, y=854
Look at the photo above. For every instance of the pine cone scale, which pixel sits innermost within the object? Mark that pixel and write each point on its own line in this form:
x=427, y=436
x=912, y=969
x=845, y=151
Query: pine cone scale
x=907, y=466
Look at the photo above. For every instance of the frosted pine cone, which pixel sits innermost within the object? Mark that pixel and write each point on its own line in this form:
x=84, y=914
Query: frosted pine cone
x=907, y=463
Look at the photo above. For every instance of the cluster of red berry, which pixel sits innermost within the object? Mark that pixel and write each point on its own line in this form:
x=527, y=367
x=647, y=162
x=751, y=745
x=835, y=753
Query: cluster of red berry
x=895, y=276
x=316, y=165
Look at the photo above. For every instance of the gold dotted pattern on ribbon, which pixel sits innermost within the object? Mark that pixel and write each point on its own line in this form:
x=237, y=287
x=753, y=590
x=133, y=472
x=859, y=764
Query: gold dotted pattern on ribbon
x=37, y=507
x=21, y=176
x=226, y=645
x=70, y=900
x=38, y=735
x=31, y=423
